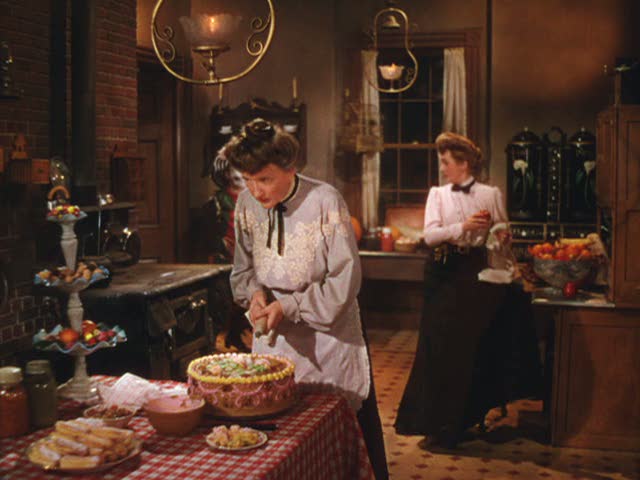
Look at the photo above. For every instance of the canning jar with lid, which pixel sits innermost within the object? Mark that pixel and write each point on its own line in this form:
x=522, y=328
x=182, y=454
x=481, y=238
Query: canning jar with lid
x=42, y=393
x=14, y=408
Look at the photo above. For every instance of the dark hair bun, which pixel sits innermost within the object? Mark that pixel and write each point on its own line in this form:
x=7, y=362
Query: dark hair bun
x=257, y=131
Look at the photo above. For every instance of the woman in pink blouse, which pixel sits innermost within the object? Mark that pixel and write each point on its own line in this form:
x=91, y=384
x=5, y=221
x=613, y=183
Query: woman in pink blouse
x=454, y=380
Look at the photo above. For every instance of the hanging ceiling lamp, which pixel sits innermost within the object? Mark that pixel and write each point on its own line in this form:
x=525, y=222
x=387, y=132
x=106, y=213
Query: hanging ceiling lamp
x=209, y=35
x=396, y=77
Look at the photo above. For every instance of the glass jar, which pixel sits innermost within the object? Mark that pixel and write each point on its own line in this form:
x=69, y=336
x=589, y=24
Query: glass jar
x=371, y=240
x=386, y=240
x=14, y=407
x=42, y=392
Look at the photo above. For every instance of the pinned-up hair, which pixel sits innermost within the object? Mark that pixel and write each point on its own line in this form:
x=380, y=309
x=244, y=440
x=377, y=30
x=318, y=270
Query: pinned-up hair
x=260, y=143
x=462, y=150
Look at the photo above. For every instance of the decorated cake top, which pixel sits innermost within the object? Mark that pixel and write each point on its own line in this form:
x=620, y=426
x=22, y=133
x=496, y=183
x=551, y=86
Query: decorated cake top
x=240, y=368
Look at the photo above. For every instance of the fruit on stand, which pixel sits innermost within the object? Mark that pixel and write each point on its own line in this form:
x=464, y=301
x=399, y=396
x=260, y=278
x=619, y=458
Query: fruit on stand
x=566, y=249
x=67, y=338
x=66, y=275
x=62, y=210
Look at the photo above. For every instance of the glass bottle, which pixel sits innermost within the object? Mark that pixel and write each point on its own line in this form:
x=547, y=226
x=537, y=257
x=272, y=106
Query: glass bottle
x=42, y=393
x=386, y=240
x=14, y=407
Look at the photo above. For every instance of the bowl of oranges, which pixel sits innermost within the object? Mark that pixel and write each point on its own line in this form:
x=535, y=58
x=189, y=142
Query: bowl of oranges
x=566, y=261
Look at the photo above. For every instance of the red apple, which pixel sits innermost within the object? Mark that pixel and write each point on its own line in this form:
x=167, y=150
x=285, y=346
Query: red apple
x=103, y=336
x=570, y=289
x=88, y=326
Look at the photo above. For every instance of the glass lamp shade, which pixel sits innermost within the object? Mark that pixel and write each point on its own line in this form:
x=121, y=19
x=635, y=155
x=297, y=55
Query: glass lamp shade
x=391, y=72
x=203, y=29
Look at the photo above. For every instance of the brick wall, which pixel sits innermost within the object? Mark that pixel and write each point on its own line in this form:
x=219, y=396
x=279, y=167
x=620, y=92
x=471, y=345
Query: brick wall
x=25, y=25
x=116, y=83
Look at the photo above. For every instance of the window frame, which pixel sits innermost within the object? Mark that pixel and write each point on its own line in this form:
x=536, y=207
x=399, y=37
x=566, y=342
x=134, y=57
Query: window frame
x=469, y=39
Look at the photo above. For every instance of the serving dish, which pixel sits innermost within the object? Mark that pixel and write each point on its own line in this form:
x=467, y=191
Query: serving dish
x=137, y=448
x=175, y=415
x=111, y=415
x=262, y=439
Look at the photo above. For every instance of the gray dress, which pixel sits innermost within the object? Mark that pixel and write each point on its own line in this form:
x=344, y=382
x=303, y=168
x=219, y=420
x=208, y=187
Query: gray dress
x=316, y=280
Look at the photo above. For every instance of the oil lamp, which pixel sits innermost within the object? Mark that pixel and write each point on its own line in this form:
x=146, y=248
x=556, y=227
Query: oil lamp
x=209, y=35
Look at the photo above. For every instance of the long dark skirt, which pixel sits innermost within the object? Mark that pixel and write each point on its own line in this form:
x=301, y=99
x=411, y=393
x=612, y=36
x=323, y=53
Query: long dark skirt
x=369, y=420
x=456, y=375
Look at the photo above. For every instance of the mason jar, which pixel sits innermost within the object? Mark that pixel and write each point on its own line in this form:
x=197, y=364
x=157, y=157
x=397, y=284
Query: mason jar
x=42, y=393
x=14, y=407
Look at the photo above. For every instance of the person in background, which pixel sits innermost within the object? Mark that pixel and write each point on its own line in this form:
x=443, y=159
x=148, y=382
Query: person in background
x=457, y=374
x=296, y=268
x=218, y=241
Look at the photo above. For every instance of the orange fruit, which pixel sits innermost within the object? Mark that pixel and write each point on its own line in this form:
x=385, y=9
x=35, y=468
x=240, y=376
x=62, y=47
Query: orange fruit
x=357, y=229
x=68, y=336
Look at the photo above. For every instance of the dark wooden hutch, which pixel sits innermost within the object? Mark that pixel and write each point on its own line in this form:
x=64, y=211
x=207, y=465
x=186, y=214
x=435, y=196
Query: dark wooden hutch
x=596, y=383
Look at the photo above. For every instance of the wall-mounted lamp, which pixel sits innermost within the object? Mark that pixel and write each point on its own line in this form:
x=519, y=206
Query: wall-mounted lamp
x=396, y=77
x=209, y=35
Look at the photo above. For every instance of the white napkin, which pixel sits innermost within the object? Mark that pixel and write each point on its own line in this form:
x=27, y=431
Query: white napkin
x=500, y=255
x=133, y=391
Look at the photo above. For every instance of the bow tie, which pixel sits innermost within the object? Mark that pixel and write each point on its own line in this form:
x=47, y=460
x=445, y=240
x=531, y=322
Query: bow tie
x=278, y=212
x=458, y=188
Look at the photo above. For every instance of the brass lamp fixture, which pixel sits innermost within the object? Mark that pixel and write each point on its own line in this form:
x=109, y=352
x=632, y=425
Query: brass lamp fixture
x=208, y=35
x=398, y=77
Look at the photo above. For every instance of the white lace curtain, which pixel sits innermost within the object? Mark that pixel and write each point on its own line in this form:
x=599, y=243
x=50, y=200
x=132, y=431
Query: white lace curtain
x=370, y=160
x=454, y=118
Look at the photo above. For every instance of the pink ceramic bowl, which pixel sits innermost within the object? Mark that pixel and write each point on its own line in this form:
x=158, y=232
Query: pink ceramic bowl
x=175, y=415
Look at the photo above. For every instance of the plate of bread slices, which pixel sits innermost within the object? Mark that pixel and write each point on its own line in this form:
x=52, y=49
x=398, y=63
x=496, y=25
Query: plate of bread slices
x=83, y=445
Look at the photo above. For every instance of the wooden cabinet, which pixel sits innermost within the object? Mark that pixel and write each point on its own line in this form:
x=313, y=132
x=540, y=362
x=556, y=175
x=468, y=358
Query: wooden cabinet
x=618, y=191
x=596, y=391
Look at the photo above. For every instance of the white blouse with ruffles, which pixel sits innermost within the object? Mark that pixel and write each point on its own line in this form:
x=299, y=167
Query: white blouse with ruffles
x=316, y=280
x=447, y=210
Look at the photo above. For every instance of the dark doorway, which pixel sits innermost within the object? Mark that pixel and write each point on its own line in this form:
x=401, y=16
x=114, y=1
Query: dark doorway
x=156, y=142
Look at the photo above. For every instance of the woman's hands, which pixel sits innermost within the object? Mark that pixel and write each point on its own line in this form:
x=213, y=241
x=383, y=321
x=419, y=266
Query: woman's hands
x=478, y=221
x=259, y=310
x=258, y=302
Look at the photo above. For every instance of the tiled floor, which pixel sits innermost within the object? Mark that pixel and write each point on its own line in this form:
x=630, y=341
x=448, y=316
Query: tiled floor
x=513, y=449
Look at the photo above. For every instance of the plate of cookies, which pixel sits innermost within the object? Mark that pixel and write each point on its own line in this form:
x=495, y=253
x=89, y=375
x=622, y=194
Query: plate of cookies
x=235, y=438
x=83, y=446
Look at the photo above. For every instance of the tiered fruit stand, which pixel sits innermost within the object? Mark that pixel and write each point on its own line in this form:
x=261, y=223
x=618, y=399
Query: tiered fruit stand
x=79, y=387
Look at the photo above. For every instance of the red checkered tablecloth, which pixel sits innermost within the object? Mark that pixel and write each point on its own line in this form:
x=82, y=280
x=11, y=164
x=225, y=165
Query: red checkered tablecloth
x=318, y=439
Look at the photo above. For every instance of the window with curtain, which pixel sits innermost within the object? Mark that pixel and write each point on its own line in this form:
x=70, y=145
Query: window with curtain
x=411, y=122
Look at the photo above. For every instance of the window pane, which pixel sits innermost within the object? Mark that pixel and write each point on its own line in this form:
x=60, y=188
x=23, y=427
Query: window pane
x=414, y=169
x=389, y=169
x=413, y=198
x=420, y=89
x=436, y=121
x=389, y=113
x=437, y=75
x=434, y=168
x=415, y=123
x=386, y=199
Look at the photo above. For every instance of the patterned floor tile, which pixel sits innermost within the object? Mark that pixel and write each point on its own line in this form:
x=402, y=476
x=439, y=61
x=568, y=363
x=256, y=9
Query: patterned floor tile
x=502, y=454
